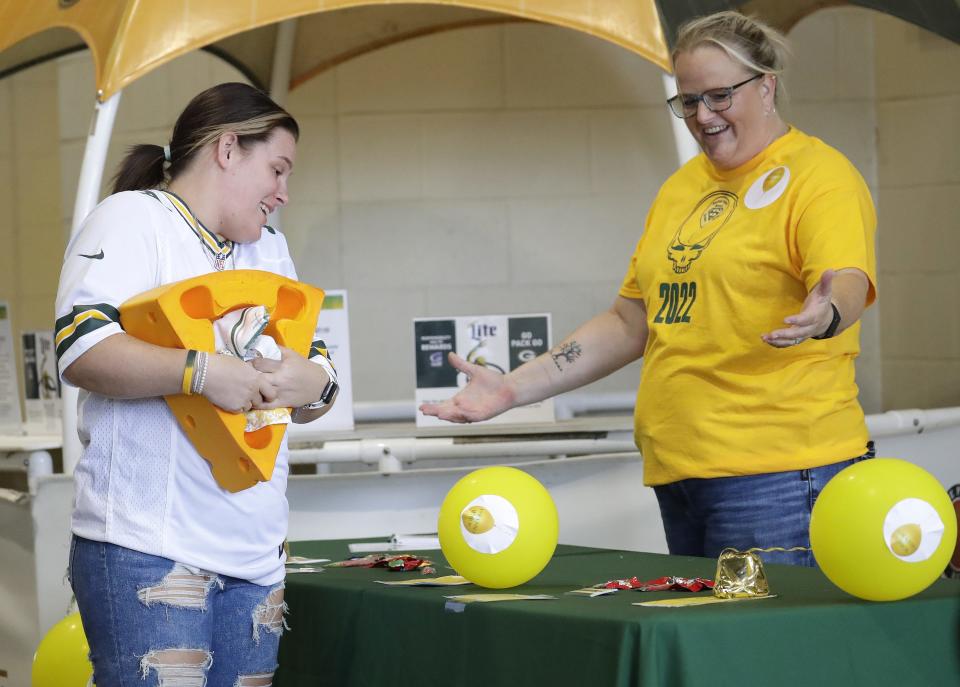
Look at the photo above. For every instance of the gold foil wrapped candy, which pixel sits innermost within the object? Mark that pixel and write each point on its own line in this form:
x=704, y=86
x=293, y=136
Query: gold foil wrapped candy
x=740, y=574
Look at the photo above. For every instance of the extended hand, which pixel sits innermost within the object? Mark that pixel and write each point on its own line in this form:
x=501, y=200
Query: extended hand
x=813, y=320
x=486, y=394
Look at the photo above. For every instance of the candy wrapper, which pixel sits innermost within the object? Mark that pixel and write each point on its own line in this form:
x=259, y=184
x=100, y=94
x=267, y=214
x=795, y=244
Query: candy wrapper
x=240, y=333
x=661, y=584
x=394, y=563
x=740, y=574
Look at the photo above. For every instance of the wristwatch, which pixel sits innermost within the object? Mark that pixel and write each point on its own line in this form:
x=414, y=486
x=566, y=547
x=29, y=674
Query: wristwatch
x=834, y=323
x=326, y=398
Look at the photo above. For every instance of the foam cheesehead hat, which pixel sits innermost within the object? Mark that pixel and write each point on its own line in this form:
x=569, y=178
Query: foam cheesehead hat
x=181, y=315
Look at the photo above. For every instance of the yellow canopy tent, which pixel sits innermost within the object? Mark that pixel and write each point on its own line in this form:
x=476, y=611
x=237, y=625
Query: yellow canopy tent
x=128, y=38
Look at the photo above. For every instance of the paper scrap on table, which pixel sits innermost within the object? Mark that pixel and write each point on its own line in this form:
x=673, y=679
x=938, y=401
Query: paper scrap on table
x=398, y=542
x=300, y=560
x=485, y=598
x=592, y=592
x=444, y=581
x=697, y=601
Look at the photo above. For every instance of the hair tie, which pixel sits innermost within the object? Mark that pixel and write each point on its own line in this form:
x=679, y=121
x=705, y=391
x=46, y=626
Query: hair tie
x=166, y=153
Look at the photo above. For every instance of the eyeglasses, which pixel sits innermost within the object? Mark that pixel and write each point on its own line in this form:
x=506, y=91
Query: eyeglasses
x=685, y=105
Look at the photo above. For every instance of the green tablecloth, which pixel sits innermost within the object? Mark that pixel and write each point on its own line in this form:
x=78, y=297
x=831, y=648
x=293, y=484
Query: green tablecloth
x=346, y=630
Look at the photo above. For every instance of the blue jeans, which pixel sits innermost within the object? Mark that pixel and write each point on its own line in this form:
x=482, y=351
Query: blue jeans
x=151, y=621
x=701, y=517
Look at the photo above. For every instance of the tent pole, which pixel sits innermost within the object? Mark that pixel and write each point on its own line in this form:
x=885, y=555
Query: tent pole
x=280, y=78
x=687, y=147
x=282, y=59
x=88, y=193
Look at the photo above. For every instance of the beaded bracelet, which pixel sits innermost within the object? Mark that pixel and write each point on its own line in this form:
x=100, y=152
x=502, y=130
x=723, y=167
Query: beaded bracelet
x=200, y=377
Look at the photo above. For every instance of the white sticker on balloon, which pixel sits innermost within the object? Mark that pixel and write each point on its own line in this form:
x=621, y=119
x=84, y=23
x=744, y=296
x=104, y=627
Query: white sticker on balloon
x=912, y=530
x=489, y=523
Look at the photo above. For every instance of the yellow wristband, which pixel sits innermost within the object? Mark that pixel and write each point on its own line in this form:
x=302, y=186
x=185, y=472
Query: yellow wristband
x=188, y=371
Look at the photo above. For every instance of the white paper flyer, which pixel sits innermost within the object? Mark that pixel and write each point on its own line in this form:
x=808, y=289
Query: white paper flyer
x=41, y=383
x=499, y=342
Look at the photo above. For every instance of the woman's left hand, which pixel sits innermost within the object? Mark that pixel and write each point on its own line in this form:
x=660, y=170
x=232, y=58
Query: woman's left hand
x=296, y=380
x=813, y=320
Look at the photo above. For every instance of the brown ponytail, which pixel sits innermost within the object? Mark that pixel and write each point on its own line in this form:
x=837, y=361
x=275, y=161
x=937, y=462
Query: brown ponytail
x=142, y=168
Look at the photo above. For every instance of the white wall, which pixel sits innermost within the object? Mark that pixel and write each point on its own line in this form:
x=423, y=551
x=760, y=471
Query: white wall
x=30, y=232
x=918, y=152
x=509, y=176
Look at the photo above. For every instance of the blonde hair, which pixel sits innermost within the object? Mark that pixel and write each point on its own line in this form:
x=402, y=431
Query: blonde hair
x=755, y=45
x=250, y=129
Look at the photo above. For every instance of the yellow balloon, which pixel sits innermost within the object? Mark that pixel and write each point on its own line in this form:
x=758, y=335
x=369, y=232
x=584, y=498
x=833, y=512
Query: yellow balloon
x=883, y=529
x=498, y=527
x=61, y=659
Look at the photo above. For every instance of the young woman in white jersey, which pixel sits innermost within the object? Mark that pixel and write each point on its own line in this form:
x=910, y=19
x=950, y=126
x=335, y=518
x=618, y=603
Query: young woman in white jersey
x=175, y=577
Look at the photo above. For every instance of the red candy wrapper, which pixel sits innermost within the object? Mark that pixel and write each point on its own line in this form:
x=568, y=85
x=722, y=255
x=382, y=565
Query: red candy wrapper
x=661, y=584
x=394, y=563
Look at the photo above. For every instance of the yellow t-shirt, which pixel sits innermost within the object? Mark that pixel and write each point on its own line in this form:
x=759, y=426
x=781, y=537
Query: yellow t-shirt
x=725, y=257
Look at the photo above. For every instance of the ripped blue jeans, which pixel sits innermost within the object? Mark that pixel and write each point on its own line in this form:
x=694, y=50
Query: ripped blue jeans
x=151, y=621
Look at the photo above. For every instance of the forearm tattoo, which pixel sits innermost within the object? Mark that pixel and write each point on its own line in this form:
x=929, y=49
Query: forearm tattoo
x=567, y=352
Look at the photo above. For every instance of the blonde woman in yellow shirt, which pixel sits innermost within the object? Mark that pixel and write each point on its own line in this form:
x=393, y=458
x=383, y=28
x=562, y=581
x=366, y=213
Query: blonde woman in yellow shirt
x=743, y=297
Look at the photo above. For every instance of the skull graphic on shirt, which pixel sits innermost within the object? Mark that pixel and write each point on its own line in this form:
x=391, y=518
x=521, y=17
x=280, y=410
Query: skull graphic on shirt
x=699, y=229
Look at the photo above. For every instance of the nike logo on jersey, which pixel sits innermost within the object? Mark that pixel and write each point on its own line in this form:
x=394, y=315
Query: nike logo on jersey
x=98, y=256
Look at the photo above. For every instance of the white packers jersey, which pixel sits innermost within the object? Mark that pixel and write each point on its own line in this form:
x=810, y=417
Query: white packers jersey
x=140, y=483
